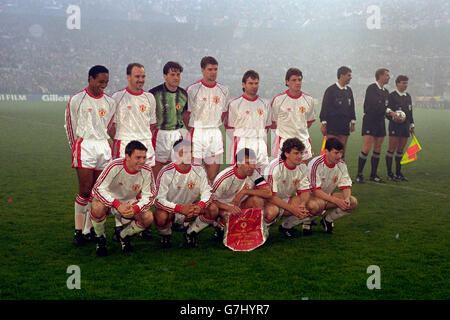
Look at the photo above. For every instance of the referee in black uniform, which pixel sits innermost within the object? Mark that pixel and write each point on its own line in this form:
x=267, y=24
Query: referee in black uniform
x=338, y=108
x=399, y=130
x=376, y=104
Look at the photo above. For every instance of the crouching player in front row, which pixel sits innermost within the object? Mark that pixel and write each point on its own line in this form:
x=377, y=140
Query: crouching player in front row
x=126, y=188
x=179, y=184
x=287, y=175
x=326, y=172
x=239, y=187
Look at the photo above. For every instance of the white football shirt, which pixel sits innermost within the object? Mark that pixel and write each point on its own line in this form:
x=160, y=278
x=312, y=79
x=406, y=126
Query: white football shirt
x=135, y=113
x=206, y=104
x=327, y=177
x=284, y=180
x=292, y=115
x=88, y=116
x=249, y=118
x=116, y=183
x=228, y=183
x=177, y=188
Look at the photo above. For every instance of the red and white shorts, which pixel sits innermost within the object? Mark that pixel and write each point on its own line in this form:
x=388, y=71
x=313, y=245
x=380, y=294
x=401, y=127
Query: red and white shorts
x=163, y=141
x=278, y=144
x=258, y=145
x=91, y=154
x=207, y=143
x=118, y=150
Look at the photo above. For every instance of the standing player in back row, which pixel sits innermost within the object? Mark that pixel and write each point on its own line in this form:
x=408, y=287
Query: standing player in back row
x=207, y=107
x=249, y=118
x=171, y=104
x=293, y=114
x=87, y=115
x=134, y=119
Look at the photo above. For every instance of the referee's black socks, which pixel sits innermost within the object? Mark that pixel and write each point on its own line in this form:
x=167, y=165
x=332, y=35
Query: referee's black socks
x=375, y=159
x=361, y=162
x=389, y=157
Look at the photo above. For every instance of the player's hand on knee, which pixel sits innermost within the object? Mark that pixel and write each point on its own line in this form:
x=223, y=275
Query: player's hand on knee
x=341, y=203
x=126, y=210
x=234, y=210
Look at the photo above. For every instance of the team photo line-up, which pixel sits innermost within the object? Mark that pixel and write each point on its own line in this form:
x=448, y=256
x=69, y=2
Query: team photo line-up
x=168, y=147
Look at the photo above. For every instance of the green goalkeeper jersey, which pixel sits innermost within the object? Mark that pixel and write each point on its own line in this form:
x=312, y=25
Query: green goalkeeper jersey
x=170, y=107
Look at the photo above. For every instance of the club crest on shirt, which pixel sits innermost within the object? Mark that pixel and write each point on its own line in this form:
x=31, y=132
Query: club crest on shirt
x=284, y=181
x=335, y=179
x=247, y=112
x=89, y=109
x=136, y=188
x=204, y=99
x=302, y=109
x=178, y=187
x=101, y=112
x=289, y=109
x=142, y=107
x=216, y=99
x=295, y=182
x=129, y=107
x=243, y=225
x=178, y=107
x=191, y=185
x=260, y=111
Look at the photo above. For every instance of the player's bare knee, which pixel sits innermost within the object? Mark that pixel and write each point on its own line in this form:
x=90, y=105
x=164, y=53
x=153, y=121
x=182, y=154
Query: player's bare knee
x=353, y=203
x=256, y=202
x=313, y=207
x=212, y=211
x=98, y=208
x=147, y=218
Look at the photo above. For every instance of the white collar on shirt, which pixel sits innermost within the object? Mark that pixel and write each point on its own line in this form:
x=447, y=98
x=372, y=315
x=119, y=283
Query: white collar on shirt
x=339, y=86
x=400, y=93
x=378, y=85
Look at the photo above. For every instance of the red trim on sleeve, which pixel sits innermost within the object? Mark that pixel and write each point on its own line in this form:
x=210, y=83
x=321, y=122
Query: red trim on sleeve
x=344, y=187
x=136, y=209
x=116, y=203
x=301, y=191
x=178, y=208
x=201, y=204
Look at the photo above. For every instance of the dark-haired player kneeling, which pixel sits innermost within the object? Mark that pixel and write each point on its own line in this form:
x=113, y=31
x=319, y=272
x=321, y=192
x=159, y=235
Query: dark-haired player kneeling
x=179, y=184
x=127, y=188
x=326, y=173
x=287, y=176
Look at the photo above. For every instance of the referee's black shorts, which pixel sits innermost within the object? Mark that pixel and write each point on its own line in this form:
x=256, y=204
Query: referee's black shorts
x=399, y=129
x=373, y=126
x=338, y=127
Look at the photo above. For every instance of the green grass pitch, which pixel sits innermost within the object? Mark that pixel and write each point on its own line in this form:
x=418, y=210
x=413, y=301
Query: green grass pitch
x=401, y=227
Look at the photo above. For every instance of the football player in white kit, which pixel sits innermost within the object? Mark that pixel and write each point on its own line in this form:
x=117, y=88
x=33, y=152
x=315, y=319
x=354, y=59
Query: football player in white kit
x=125, y=188
x=207, y=106
x=293, y=114
x=134, y=119
x=249, y=118
x=87, y=116
x=179, y=185
x=287, y=176
x=239, y=187
x=326, y=173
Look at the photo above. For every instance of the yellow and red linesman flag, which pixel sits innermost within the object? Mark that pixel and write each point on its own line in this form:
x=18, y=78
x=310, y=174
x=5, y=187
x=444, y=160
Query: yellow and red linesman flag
x=411, y=153
x=322, y=150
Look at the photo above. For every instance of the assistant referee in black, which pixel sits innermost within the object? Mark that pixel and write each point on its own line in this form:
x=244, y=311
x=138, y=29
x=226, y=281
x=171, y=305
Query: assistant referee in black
x=376, y=108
